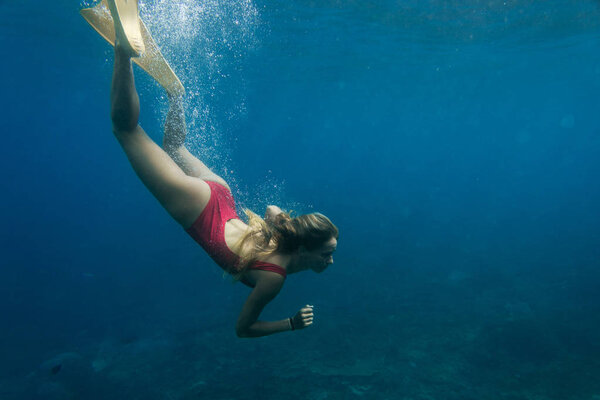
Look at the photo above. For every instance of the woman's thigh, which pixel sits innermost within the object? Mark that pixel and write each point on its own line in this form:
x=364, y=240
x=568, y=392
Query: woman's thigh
x=184, y=197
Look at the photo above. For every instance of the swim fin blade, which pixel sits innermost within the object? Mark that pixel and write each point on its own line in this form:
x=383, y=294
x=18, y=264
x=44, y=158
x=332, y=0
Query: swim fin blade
x=152, y=61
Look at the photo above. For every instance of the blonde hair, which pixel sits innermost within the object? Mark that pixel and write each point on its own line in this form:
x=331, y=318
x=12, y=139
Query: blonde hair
x=282, y=233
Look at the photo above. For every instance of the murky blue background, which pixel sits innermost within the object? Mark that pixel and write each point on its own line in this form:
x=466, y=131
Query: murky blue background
x=455, y=144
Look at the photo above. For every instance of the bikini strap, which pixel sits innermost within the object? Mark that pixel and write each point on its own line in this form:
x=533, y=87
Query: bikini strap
x=264, y=266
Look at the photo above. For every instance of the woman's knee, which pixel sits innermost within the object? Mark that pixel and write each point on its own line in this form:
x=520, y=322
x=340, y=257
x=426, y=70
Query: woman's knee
x=123, y=123
x=124, y=134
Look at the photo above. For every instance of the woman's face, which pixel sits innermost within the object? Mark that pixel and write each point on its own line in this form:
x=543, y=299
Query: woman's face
x=319, y=259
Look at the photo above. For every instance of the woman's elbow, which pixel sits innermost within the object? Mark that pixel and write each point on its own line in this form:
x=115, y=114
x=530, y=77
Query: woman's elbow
x=272, y=212
x=242, y=332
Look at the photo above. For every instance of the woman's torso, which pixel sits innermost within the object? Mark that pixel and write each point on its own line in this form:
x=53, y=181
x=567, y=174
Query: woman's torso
x=234, y=230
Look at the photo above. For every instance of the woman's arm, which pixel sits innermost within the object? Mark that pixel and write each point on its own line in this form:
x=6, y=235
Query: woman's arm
x=265, y=290
x=248, y=325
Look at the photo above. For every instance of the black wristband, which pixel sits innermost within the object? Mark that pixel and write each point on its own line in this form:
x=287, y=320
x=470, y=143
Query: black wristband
x=292, y=323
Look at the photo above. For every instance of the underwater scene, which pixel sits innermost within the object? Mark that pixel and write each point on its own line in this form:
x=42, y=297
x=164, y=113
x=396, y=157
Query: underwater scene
x=455, y=145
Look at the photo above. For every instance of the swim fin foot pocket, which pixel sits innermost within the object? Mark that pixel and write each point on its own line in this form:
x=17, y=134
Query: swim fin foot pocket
x=127, y=25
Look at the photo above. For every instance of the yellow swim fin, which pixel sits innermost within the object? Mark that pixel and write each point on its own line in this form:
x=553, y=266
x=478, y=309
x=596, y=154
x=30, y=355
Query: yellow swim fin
x=125, y=15
x=151, y=60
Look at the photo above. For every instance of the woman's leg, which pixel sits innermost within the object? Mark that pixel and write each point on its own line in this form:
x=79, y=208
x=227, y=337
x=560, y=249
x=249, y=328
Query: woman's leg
x=184, y=197
x=174, y=144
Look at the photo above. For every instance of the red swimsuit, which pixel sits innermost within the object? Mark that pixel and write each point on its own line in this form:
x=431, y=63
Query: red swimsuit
x=209, y=231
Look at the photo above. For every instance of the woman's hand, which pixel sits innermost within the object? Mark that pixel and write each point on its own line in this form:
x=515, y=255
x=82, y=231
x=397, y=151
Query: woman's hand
x=303, y=318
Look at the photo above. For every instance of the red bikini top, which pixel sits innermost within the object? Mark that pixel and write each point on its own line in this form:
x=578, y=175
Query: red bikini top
x=209, y=231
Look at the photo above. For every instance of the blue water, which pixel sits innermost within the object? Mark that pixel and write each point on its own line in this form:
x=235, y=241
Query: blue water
x=455, y=144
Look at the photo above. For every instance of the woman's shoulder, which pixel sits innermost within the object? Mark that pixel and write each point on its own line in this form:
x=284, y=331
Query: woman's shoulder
x=266, y=281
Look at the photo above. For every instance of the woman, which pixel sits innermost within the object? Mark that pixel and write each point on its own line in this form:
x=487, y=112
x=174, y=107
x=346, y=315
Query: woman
x=260, y=253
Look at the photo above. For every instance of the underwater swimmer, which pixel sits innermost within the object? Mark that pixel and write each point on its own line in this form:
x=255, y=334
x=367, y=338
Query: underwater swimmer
x=261, y=253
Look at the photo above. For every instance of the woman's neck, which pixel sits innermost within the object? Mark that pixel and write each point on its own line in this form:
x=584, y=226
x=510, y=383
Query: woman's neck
x=285, y=261
x=293, y=264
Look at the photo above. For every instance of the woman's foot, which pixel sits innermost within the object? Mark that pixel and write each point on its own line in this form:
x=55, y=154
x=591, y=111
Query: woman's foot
x=127, y=26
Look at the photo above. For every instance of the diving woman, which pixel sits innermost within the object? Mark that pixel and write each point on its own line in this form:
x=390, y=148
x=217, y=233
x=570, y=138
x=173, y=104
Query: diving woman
x=260, y=253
